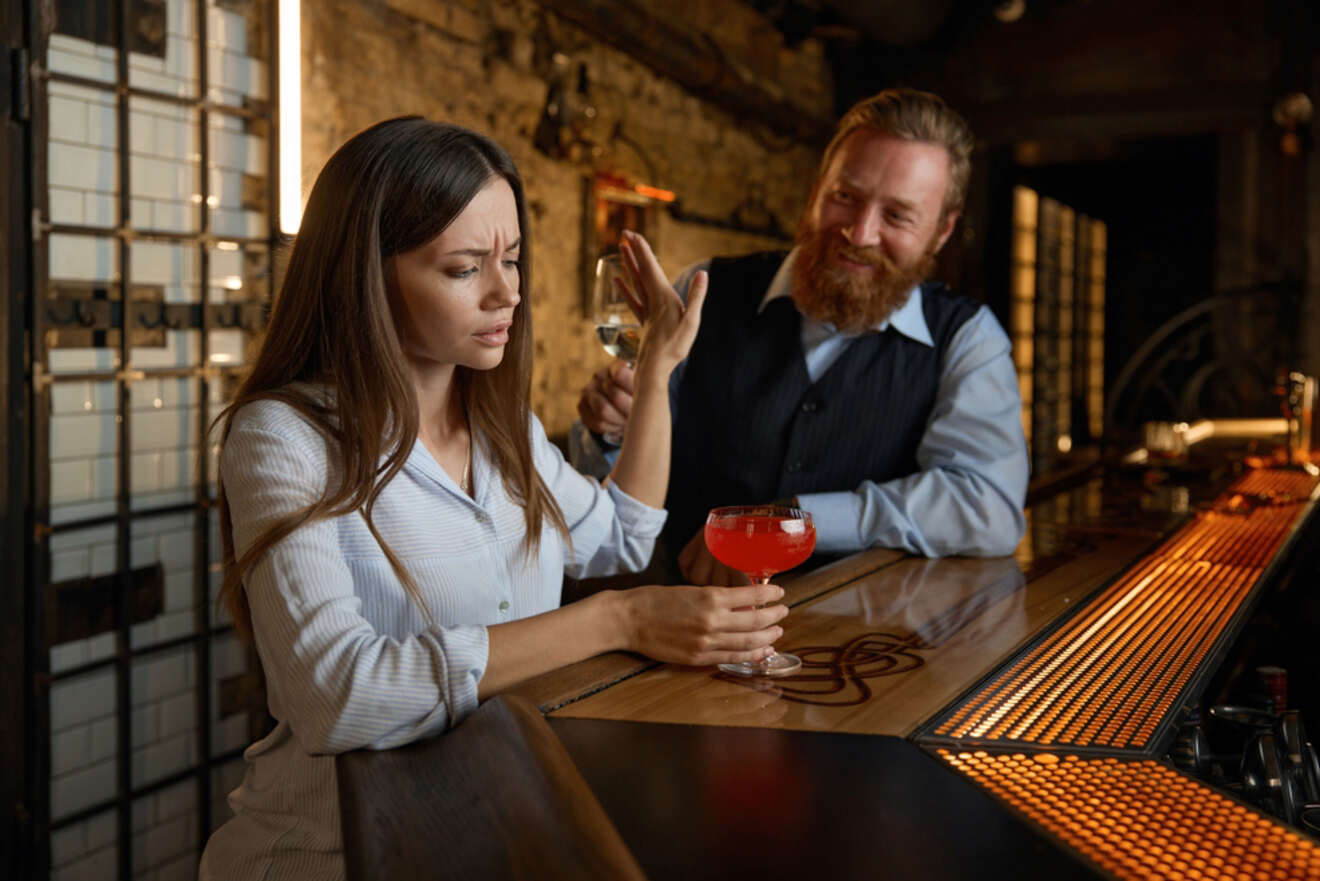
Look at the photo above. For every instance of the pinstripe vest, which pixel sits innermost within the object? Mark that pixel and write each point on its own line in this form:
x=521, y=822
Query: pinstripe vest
x=751, y=425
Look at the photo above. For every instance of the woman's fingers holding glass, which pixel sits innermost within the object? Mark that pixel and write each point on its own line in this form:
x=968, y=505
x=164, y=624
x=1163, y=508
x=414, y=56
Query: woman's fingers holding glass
x=752, y=595
x=606, y=400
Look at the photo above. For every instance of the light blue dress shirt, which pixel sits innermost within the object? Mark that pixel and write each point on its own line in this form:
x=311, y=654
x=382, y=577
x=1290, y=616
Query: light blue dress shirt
x=350, y=660
x=967, y=496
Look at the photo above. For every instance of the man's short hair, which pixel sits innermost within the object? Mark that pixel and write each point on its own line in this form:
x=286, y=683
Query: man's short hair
x=913, y=116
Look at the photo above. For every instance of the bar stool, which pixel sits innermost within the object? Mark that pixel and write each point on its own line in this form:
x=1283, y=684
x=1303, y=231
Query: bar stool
x=495, y=798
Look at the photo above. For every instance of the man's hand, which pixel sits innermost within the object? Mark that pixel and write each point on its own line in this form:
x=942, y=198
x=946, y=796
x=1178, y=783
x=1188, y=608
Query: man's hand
x=607, y=399
x=699, y=567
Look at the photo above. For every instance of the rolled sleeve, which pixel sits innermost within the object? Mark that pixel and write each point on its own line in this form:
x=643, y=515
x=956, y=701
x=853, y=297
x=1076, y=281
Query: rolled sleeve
x=610, y=530
x=968, y=496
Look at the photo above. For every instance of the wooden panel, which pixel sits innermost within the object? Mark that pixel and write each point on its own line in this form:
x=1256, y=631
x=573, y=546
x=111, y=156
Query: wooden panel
x=559, y=687
x=887, y=650
x=497, y=797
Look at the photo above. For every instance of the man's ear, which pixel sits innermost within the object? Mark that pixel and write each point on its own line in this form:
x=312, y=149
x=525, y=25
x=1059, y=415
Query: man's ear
x=947, y=230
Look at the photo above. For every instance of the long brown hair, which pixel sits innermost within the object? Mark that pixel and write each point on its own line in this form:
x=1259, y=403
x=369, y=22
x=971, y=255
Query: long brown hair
x=389, y=189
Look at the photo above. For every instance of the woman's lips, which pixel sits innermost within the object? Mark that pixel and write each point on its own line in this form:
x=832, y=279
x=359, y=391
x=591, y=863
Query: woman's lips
x=495, y=336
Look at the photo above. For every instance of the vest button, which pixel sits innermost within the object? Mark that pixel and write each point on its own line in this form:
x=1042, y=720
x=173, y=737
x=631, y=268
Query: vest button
x=793, y=467
x=809, y=407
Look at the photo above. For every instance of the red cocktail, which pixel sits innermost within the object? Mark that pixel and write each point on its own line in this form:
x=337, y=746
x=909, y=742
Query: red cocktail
x=759, y=541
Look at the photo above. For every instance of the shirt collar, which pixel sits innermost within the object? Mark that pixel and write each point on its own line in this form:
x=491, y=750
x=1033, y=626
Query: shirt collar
x=908, y=319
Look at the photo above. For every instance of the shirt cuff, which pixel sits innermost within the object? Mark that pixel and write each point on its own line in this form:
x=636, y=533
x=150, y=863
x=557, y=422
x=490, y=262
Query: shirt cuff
x=836, y=516
x=466, y=651
x=637, y=518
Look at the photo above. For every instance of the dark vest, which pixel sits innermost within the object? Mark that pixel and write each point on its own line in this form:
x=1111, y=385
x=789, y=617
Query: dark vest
x=751, y=425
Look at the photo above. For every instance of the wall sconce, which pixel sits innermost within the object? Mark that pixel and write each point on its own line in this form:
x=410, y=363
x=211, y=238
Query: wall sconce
x=290, y=84
x=565, y=129
x=1292, y=112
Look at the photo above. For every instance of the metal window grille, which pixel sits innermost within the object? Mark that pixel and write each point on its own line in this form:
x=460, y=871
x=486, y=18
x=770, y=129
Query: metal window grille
x=154, y=177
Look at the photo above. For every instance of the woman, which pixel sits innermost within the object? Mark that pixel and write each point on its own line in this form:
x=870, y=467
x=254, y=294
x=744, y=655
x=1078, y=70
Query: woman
x=395, y=524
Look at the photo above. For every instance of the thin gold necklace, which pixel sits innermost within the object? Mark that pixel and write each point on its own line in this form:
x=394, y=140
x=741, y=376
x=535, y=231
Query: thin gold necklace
x=464, y=482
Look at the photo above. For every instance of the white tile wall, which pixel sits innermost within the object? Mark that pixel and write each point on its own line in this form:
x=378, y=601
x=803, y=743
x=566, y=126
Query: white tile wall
x=165, y=833
x=82, y=699
x=83, y=173
x=182, y=349
x=68, y=844
x=82, y=742
x=84, y=438
x=81, y=167
x=85, y=190
x=79, y=58
x=66, y=205
x=96, y=866
x=181, y=17
x=162, y=758
x=83, y=434
x=81, y=789
x=83, y=258
x=175, y=74
x=168, y=541
x=164, y=162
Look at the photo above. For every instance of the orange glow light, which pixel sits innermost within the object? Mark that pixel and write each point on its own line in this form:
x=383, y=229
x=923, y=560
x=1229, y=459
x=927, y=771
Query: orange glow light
x=654, y=193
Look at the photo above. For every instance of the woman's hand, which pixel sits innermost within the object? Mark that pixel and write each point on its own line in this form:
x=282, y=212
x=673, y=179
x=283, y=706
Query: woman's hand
x=702, y=626
x=669, y=327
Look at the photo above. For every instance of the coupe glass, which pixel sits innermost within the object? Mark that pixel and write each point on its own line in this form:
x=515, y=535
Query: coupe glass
x=617, y=327
x=758, y=541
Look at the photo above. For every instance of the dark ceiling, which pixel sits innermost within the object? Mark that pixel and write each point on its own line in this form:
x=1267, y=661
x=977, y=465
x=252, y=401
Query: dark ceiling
x=1060, y=68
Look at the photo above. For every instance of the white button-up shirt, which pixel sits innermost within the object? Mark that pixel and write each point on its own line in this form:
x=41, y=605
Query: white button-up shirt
x=350, y=660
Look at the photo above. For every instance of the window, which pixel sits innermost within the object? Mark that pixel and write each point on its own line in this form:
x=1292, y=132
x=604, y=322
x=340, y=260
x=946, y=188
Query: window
x=154, y=179
x=1057, y=324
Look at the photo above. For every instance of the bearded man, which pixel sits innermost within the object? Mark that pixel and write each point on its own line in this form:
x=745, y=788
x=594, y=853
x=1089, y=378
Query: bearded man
x=836, y=377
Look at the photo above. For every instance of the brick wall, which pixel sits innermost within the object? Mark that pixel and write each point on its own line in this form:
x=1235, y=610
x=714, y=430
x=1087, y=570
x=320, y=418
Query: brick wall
x=486, y=66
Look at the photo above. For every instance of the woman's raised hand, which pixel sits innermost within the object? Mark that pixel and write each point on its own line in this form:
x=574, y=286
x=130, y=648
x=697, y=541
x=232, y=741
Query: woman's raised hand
x=669, y=326
x=703, y=626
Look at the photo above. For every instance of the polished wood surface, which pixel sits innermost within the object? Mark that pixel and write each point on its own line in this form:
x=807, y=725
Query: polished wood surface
x=496, y=798
x=697, y=802
x=888, y=649
x=559, y=687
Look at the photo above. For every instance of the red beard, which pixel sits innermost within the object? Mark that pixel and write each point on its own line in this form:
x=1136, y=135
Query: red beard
x=851, y=301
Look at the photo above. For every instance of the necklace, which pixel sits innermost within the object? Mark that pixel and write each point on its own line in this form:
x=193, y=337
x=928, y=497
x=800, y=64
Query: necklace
x=464, y=482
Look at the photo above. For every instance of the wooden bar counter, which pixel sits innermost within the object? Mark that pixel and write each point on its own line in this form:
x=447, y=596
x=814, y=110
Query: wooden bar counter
x=962, y=718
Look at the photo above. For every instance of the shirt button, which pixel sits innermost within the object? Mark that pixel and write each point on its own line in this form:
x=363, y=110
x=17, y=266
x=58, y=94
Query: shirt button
x=504, y=605
x=481, y=516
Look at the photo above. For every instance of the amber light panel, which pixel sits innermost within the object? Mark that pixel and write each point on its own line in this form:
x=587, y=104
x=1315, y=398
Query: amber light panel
x=1139, y=819
x=1110, y=676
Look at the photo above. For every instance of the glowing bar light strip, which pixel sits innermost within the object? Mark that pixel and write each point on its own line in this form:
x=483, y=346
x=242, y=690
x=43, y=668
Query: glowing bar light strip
x=290, y=50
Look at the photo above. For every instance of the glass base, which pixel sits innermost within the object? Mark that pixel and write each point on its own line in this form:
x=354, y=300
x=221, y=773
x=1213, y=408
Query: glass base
x=775, y=665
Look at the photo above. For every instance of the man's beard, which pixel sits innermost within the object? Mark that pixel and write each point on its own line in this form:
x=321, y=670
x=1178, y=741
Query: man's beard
x=848, y=299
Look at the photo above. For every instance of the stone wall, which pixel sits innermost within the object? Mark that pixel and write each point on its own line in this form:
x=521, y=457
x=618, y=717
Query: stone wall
x=487, y=66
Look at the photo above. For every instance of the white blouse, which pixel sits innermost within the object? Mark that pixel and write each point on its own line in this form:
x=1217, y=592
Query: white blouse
x=349, y=659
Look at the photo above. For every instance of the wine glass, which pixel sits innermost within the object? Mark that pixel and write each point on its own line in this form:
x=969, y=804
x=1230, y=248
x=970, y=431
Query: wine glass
x=617, y=327
x=758, y=541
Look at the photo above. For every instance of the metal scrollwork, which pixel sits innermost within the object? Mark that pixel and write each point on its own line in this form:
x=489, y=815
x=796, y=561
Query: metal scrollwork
x=1215, y=359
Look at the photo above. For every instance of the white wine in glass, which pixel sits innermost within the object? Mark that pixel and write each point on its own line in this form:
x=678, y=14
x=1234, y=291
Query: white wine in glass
x=617, y=327
x=620, y=340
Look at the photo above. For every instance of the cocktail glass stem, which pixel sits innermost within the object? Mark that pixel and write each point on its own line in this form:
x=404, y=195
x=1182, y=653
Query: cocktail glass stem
x=773, y=664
